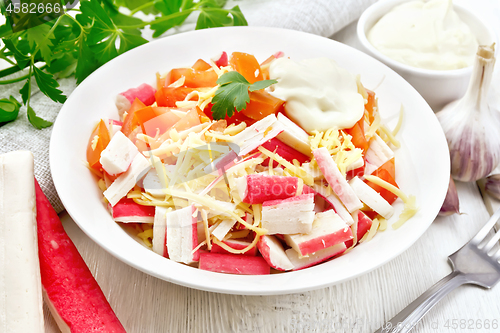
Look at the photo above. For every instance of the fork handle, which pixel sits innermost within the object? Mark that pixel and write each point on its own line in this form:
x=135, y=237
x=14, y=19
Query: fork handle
x=405, y=320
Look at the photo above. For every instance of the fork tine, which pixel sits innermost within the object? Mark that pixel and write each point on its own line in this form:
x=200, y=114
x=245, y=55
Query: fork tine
x=496, y=256
x=486, y=229
x=492, y=242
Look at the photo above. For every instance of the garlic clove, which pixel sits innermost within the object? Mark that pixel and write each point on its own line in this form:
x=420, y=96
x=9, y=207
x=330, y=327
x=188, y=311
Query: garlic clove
x=471, y=126
x=492, y=186
x=451, y=204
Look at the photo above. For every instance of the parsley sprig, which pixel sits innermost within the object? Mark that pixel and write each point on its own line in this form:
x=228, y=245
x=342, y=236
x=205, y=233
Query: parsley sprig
x=233, y=93
x=76, y=45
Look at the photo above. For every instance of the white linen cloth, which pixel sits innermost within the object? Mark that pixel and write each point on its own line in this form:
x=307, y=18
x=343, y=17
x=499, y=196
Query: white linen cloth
x=321, y=17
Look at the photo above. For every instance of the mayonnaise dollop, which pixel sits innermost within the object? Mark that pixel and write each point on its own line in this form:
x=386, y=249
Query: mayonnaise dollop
x=319, y=94
x=427, y=35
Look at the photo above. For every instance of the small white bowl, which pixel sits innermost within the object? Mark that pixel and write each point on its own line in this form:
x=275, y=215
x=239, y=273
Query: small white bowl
x=437, y=87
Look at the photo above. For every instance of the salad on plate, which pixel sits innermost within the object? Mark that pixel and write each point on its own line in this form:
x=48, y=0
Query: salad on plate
x=236, y=166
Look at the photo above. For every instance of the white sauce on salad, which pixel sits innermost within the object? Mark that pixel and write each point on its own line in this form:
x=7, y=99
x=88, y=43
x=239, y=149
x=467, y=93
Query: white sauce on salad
x=427, y=35
x=319, y=94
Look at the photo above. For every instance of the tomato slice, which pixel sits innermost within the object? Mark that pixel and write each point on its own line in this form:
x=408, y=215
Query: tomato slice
x=130, y=122
x=246, y=65
x=369, y=106
x=387, y=172
x=357, y=132
x=193, y=78
x=155, y=120
x=262, y=104
x=191, y=119
x=201, y=65
x=168, y=96
x=94, y=152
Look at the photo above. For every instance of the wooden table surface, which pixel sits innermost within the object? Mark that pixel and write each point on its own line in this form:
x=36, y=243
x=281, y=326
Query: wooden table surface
x=147, y=304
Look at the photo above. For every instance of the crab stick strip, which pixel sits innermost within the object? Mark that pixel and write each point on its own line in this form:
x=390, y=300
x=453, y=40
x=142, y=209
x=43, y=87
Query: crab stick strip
x=371, y=198
x=127, y=210
x=257, y=188
x=364, y=224
x=182, y=235
x=254, y=136
x=74, y=298
x=294, y=136
x=335, y=179
x=316, y=258
x=328, y=229
x=118, y=154
x=145, y=93
x=288, y=153
x=20, y=285
x=126, y=181
x=289, y=216
x=378, y=152
x=273, y=253
x=233, y=264
x=160, y=230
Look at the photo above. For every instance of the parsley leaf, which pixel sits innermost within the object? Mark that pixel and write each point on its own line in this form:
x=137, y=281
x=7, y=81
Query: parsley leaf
x=9, y=109
x=36, y=121
x=213, y=17
x=233, y=93
x=48, y=85
x=79, y=44
x=25, y=91
x=38, y=36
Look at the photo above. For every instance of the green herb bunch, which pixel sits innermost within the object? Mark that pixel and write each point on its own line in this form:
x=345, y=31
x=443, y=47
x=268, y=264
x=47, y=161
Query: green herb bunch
x=81, y=40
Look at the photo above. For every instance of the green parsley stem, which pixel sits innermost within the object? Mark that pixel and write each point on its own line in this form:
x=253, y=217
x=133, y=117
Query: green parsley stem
x=159, y=20
x=17, y=79
x=141, y=7
x=10, y=70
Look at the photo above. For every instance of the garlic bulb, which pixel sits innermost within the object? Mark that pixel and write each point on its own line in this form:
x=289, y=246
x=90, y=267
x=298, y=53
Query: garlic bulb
x=451, y=204
x=492, y=186
x=471, y=126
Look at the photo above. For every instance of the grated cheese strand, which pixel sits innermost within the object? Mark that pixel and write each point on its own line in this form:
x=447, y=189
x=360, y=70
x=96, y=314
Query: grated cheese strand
x=234, y=251
x=374, y=127
x=297, y=172
x=410, y=207
x=390, y=137
x=257, y=214
x=396, y=129
x=212, y=203
x=373, y=230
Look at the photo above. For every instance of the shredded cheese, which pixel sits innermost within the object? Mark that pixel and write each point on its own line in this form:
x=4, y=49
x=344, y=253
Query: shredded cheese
x=389, y=136
x=257, y=214
x=374, y=127
x=396, y=129
x=210, y=202
x=178, y=83
x=235, y=129
x=231, y=250
x=373, y=230
x=95, y=140
x=292, y=169
x=410, y=207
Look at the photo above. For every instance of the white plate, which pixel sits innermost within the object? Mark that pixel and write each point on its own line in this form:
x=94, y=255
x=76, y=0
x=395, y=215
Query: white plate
x=422, y=161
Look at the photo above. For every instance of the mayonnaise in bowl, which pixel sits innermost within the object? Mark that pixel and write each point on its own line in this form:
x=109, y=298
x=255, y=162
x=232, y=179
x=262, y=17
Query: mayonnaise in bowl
x=429, y=35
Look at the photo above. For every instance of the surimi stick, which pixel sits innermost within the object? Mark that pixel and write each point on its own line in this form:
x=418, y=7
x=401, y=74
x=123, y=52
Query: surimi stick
x=21, y=304
x=74, y=298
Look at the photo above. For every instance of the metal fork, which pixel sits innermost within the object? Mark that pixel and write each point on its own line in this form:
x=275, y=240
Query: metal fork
x=475, y=263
